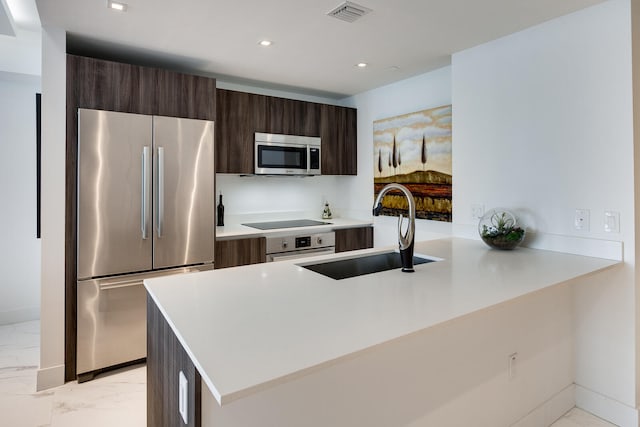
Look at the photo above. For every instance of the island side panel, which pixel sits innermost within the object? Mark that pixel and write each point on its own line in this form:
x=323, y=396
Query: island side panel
x=165, y=359
x=453, y=374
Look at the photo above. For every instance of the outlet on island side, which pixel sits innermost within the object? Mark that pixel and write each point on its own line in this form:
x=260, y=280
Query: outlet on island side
x=512, y=358
x=183, y=396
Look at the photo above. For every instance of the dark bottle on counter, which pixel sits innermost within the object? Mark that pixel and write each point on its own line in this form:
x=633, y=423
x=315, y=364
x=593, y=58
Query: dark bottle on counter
x=220, y=213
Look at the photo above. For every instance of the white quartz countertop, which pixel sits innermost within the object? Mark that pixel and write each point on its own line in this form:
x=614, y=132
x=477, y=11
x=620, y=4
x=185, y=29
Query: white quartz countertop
x=236, y=230
x=250, y=328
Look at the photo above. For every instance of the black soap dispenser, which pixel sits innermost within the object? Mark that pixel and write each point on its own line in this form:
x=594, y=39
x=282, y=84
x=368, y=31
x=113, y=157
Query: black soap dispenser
x=326, y=213
x=220, y=215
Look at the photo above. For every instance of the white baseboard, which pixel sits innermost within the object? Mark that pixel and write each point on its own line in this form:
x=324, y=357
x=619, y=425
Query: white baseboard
x=606, y=408
x=50, y=377
x=549, y=412
x=24, y=314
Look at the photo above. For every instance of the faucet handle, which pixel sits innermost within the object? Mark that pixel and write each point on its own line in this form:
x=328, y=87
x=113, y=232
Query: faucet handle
x=377, y=209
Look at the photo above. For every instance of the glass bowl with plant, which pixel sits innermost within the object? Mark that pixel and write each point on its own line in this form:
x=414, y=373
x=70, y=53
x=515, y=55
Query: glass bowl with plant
x=499, y=229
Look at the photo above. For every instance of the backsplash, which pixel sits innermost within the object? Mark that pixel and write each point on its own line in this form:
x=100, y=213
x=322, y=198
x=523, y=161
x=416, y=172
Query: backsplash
x=247, y=195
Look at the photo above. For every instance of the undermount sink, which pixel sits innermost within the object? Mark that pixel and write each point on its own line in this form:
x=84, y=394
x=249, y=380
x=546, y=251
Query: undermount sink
x=359, y=266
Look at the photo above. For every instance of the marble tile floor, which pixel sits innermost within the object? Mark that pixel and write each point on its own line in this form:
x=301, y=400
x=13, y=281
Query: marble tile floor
x=114, y=399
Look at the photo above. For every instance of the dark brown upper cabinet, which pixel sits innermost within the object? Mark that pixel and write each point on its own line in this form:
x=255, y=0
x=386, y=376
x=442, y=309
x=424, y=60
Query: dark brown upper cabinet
x=116, y=86
x=293, y=117
x=240, y=115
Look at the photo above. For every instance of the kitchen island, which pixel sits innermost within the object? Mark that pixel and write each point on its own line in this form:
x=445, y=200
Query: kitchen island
x=480, y=336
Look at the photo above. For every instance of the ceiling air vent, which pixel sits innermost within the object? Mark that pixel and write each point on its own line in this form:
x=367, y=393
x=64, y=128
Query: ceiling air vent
x=349, y=11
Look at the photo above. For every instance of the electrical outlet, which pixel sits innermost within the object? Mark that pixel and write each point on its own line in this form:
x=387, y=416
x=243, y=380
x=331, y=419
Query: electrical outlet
x=477, y=211
x=581, y=219
x=183, y=397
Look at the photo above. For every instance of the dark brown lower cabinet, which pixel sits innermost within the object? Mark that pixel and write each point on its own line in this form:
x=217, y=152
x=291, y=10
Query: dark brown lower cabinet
x=166, y=358
x=351, y=239
x=232, y=253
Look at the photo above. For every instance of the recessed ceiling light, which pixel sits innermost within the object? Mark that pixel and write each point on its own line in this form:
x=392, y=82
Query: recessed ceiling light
x=121, y=7
x=361, y=65
x=265, y=43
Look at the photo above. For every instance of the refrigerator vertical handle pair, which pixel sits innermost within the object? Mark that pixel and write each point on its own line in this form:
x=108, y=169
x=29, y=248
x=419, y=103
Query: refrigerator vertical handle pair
x=144, y=216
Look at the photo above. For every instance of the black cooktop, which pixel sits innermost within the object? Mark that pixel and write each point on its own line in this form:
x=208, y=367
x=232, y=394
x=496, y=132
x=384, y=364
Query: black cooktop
x=271, y=225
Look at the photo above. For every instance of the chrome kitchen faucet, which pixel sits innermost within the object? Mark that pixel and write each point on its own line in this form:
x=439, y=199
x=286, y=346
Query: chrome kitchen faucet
x=405, y=241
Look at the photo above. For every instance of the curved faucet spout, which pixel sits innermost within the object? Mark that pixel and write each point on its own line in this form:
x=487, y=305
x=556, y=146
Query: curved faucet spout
x=405, y=240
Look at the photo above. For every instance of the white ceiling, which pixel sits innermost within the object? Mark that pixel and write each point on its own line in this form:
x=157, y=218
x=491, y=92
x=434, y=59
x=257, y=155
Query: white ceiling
x=311, y=52
x=20, y=39
x=6, y=20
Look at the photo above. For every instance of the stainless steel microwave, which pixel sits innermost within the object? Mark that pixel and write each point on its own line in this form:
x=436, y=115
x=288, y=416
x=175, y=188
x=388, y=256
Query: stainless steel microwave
x=277, y=154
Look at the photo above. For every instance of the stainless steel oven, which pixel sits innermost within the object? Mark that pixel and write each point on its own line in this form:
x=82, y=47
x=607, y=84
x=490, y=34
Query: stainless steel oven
x=277, y=154
x=300, y=245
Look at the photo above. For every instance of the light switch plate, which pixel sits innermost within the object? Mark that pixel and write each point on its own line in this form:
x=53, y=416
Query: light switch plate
x=183, y=395
x=611, y=221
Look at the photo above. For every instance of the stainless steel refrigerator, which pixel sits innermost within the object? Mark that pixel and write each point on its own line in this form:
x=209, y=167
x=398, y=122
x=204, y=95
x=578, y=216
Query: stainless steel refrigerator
x=145, y=208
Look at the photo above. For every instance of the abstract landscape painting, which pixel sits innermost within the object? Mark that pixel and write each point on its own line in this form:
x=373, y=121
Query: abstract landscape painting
x=415, y=150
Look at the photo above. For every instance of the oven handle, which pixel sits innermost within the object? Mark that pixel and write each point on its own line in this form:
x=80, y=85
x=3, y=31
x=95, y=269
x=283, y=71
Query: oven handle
x=285, y=256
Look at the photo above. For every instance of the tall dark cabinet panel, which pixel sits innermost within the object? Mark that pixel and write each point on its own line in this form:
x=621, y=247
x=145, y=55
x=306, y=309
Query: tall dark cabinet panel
x=114, y=86
x=349, y=164
x=185, y=95
x=240, y=115
x=166, y=358
x=339, y=140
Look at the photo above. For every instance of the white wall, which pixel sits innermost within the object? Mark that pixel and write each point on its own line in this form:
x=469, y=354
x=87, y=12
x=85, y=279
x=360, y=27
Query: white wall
x=543, y=125
x=51, y=372
x=19, y=248
x=417, y=93
x=635, y=43
x=21, y=54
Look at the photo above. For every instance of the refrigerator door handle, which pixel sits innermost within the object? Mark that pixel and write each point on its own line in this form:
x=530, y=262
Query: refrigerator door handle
x=145, y=192
x=160, y=197
x=117, y=285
